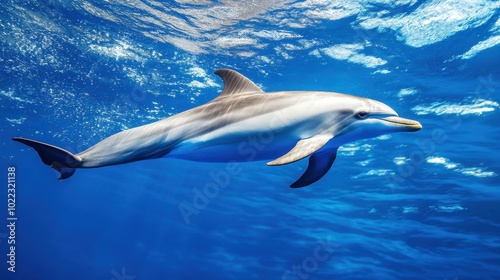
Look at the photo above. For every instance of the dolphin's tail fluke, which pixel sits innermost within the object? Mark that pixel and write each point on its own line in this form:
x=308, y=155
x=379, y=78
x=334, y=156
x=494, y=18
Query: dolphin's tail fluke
x=59, y=159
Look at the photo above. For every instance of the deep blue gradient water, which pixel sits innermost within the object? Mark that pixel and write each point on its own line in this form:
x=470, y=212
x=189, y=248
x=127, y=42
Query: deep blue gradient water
x=406, y=206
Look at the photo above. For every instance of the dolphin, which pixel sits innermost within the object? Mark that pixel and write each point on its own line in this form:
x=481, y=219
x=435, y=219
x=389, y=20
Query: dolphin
x=243, y=124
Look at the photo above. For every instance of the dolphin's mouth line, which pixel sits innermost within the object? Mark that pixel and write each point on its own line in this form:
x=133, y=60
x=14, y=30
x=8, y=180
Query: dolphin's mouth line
x=403, y=122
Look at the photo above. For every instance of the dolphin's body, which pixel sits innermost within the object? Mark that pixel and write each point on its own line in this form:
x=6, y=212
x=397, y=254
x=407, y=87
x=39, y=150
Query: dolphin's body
x=244, y=124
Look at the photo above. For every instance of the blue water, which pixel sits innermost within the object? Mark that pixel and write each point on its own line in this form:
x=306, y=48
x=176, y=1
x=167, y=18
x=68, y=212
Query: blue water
x=418, y=205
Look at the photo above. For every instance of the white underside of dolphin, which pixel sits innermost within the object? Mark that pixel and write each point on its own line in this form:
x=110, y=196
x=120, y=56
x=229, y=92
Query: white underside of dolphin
x=284, y=127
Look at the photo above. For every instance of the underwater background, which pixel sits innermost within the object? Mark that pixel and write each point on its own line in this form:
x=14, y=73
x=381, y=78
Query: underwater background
x=421, y=205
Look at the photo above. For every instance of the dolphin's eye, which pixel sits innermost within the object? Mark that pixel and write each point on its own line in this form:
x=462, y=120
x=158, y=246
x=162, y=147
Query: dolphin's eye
x=362, y=114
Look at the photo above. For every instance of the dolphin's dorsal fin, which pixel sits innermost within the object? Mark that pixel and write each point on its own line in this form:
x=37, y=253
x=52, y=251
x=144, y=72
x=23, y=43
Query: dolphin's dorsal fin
x=235, y=83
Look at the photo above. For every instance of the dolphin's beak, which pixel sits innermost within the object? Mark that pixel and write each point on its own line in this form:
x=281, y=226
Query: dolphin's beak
x=404, y=124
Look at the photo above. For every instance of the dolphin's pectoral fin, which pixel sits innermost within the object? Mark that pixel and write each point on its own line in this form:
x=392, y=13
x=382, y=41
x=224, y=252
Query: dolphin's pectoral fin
x=319, y=164
x=302, y=149
x=235, y=83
